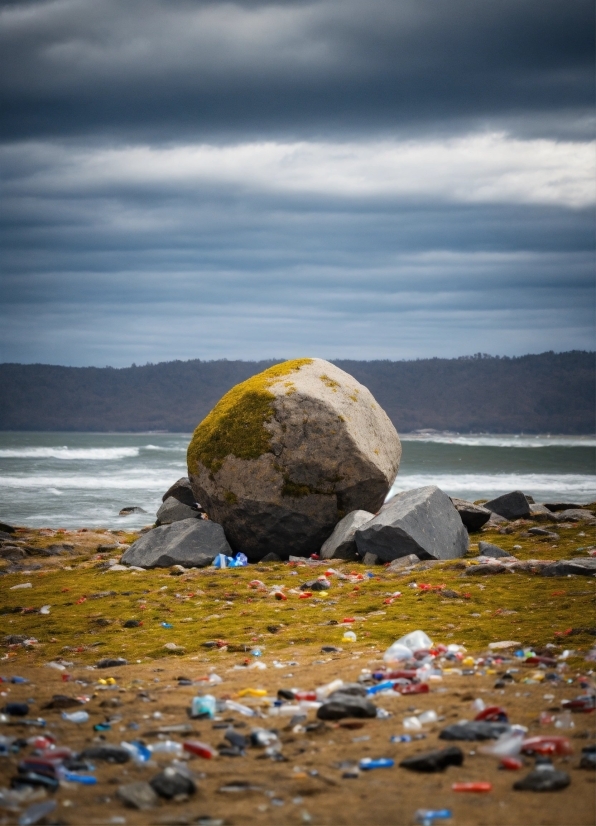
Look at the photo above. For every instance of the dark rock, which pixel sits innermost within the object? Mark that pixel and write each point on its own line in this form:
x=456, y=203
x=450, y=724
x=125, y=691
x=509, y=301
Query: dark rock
x=512, y=505
x=174, y=511
x=422, y=522
x=111, y=662
x=372, y=559
x=495, y=521
x=475, y=730
x=182, y=491
x=63, y=701
x=488, y=549
x=271, y=557
x=473, y=516
x=402, y=562
x=109, y=753
x=434, y=761
x=236, y=739
x=346, y=705
x=543, y=779
x=540, y=513
x=286, y=454
x=139, y=795
x=131, y=623
x=193, y=543
x=16, y=709
x=580, y=566
x=330, y=649
x=15, y=639
x=132, y=509
x=12, y=552
x=170, y=783
x=5, y=528
x=342, y=544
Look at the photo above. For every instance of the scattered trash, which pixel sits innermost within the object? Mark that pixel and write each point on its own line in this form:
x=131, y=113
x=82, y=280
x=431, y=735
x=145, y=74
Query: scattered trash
x=368, y=763
x=472, y=787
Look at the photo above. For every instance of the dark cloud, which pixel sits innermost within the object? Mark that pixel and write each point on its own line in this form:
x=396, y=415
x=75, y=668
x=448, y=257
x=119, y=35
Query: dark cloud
x=154, y=69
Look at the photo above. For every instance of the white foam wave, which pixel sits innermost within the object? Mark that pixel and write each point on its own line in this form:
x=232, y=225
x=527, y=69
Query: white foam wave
x=169, y=448
x=497, y=440
x=137, y=481
x=581, y=486
x=69, y=453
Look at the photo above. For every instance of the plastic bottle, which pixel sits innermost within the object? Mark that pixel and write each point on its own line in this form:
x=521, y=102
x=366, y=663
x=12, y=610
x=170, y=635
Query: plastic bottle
x=138, y=751
x=368, y=763
x=428, y=716
x=509, y=744
x=323, y=691
x=199, y=749
x=287, y=710
x=167, y=747
x=203, y=706
x=426, y=816
x=546, y=744
x=76, y=716
x=585, y=703
x=230, y=705
x=349, y=636
x=413, y=688
x=412, y=724
x=480, y=786
x=74, y=777
x=386, y=685
x=34, y=813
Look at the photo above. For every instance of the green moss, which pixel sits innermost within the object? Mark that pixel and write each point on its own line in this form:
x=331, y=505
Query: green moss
x=297, y=491
x=330, y=382
x=230, y=497
x=235, y=426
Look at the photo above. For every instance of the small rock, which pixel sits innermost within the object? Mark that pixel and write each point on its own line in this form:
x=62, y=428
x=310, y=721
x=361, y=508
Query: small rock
x=111, y=662
x=582, y=566
x=434, y=761
x=403, y=562
x=5, y=528
x=129, y=510
x=170, y=783
x=346, y=705
x=271, y=557
x=109, y=753
x=576, y=515
x=131, y=623
x=488, y=549
x=486, y=570
x=62, y=701
x=562, y=506
x=512, y=505
x=371, y=559
x=543, y=532
x=473, y=516
x=543, y=779
x=138, y=795
x=342, y=544
x=475, y=730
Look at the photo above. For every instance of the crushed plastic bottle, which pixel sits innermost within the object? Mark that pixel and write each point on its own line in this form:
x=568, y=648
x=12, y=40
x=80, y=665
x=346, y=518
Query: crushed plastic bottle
x=167, y=747
x=546, y=744
x=479, y=786
x=36, y=812
x=508, y=744
x=138, y=751
x=76, y=716
x=369, y=763
x=425, y=817
x=231, y=705
x=199, y=749
x=203, y=706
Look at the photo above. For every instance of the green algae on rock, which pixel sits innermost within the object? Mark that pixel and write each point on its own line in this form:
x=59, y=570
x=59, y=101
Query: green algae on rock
x=284, y=455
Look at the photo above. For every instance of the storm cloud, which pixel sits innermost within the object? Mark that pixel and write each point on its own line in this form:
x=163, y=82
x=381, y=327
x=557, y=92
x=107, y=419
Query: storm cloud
x=382, y=180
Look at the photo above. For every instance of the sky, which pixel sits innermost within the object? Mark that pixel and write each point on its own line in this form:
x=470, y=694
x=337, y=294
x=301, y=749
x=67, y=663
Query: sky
x=389, y=179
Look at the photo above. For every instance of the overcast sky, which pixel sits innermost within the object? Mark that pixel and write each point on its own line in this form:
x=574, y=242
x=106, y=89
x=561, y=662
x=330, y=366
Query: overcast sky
x=335, y=178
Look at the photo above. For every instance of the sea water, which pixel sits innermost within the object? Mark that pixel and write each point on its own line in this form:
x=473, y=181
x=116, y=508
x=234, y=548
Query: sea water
x=84, y=479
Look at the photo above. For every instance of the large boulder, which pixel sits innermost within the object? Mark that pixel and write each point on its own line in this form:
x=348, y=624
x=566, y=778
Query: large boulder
x=421, y=521
x=473, y=516
x=193, y=543
x=342, y=543
x=512, y=505
x=173, y=510
x=285, y=455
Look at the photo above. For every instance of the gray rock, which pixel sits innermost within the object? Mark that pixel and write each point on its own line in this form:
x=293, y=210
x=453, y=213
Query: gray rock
x=130, y=510
x=512, y=505
x=543, y=532
x=138, y=795
x=285, y=454
x=5, y=528
x=541, y=513
x=402, y=562
x=486, y=570
x=495, y=521
x=341, y=544
x=423, y=522
x=193, y=543
x=182, y=491
x=575, y=515
x=174, y=511
x=488, y=549
x=473, y=516
x=371, y=559
x=581, y=566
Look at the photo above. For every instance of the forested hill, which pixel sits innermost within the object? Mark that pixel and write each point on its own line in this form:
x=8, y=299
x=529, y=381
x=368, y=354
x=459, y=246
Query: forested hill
x=546, y=393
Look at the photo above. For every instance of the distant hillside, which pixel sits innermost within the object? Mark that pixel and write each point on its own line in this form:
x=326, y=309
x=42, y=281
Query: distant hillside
x=550, y=392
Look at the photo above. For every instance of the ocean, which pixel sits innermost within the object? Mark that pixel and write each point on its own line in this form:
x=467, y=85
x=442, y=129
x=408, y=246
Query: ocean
x=75, y=480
